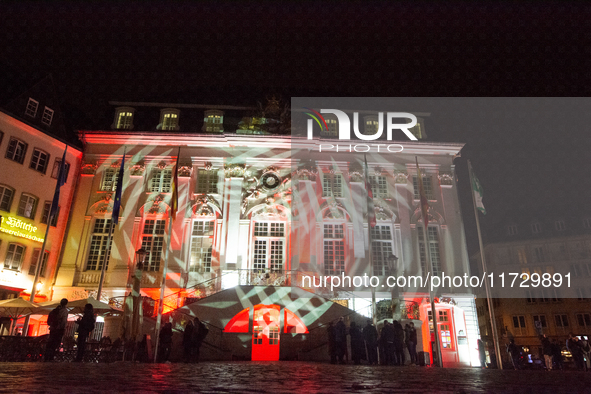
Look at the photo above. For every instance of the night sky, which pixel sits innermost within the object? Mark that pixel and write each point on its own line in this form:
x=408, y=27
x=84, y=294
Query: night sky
x=242, y=53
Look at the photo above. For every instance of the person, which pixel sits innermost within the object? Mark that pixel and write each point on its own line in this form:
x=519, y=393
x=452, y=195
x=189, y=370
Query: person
x=576, y=349
x=357, y=346
x=332, y=350
x=370, y=335
x=547, y=351
x=412, y=343
x=481, y=353
x=387, y=342
x=557, y=355
x=340, y=340
x=199, y=334
x=513, y=350
x=57, y=320
x=85, y=327
x=188, y=342
x=398, y=343
x=165, y=342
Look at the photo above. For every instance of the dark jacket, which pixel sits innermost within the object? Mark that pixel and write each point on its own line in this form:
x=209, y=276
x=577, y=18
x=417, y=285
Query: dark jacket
x=86, y=323
x=370, y=334
x=546, y=346
x=188, y=334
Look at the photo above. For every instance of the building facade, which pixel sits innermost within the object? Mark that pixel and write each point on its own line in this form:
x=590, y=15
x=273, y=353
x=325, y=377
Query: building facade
x=235, y=223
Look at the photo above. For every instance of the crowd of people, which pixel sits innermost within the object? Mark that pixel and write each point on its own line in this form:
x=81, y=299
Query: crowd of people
x=366, y=343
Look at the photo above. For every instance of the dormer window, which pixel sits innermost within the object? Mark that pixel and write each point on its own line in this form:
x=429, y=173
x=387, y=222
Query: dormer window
x=169, y=119
x=47, y=116
x=332, y=127
x=536, y=228
x=213, y=121
x=371, y=125
x=31, y=109
x=124, y=118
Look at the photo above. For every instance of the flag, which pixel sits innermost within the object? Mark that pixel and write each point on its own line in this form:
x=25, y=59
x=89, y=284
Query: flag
x=423, y=197
x=174, y=203
x=118, y=191
x=477, y=190
x=371, y=214
x=61, y=179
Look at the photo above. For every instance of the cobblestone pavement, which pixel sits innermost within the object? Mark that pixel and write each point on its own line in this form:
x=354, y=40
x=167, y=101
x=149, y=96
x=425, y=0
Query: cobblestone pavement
x=279, y=377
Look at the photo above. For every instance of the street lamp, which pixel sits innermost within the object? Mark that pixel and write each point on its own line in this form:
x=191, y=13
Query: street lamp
x=394, y=291
x=140, y=256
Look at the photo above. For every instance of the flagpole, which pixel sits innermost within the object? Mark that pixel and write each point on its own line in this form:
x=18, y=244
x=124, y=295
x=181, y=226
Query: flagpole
x=429, y=264
x=49, y=219
x=108, y=248
x=173, y=209
x=491, y=312
x=370, y=253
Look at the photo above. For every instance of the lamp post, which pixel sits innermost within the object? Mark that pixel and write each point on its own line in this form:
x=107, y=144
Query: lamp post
x=394, y=291
x=140, y=256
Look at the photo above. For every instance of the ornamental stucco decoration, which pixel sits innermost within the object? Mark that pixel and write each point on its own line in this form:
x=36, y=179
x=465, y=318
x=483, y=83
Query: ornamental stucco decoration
x=89, y=168
x=158, y=207
x=269, y=211
x=356, y=173
x=202, y=206
x=138, y=169
x=185, y=170
x=207, y=166
x=104, y=204
x=236, y=171
x=115, y=163
x=446, y=178
x=161, y=165
x=306, y=171
x=400, y=176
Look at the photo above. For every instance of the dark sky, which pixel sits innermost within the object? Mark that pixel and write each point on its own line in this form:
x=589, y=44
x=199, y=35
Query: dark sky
x=206, y=52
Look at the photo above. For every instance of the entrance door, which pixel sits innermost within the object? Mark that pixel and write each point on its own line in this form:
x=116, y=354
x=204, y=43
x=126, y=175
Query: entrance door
x=265, y=333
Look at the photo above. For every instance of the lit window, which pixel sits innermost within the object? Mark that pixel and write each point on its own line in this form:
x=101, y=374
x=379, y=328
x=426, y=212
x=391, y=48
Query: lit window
x=332, y=185
x=445, y=336
x=269, y=246
x=47, y=116
x=153, y=243
x=512, y=230
x=522, y=256
x=332, y=128
x=371, y=125
x=170, y=119
x=31, y=109
x=426, y=185
x=559, y=225
x=433, y=249
x=35, y=259
x=16, y=150
x=56, y=169
x=27, y=206
x=98, y=245
x=45, y=215
x=39, y=160
x=124, y=119
x=584, y=320
x=536, y=228
x=379, y=186
x=213, y=122
x=334, y=249
x=14, y=257
x=561, y=320
x=161, y=181
x=201, y=246
x=207, y=181
x=6, y=194
x=110, y=179
x=381, y=249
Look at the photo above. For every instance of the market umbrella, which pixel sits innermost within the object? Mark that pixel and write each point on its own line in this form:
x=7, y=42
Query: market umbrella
x=16, y=308
x=77, y=306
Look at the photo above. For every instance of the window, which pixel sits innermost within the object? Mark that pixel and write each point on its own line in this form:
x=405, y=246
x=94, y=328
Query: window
x=14, y=257
x=443, y=316
x=124, y=119
x=433, y=250
x=334, y=249
x=540, y=321
x=519, y=325
x=110, y=179
x=584, y=320
x=31, y=109
x=379, y=187
x=45, y=215
x=47, y=116
x=213, y=122
x=580, y=294
x=530, y=297
x=371, y=125
x=445, y=336
x=559, y=225
x=536, y=228
x=512, y=230
x=98, y=245
x=39, y=160
x=6, y=194
x=269, y=245
x=56, y=169
x=16, y=150
x=576, y=270
x=153, y=243
x=561, y=320
x=169, y=119
x=207, y=181
x=27, y=206
x=35, y=259
x=332, y=185
x=381, y=241
x=332, y=128
x=161, y=181
x=201, y=246
x=539, y=254
x=522, y=256
x=426, y=184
